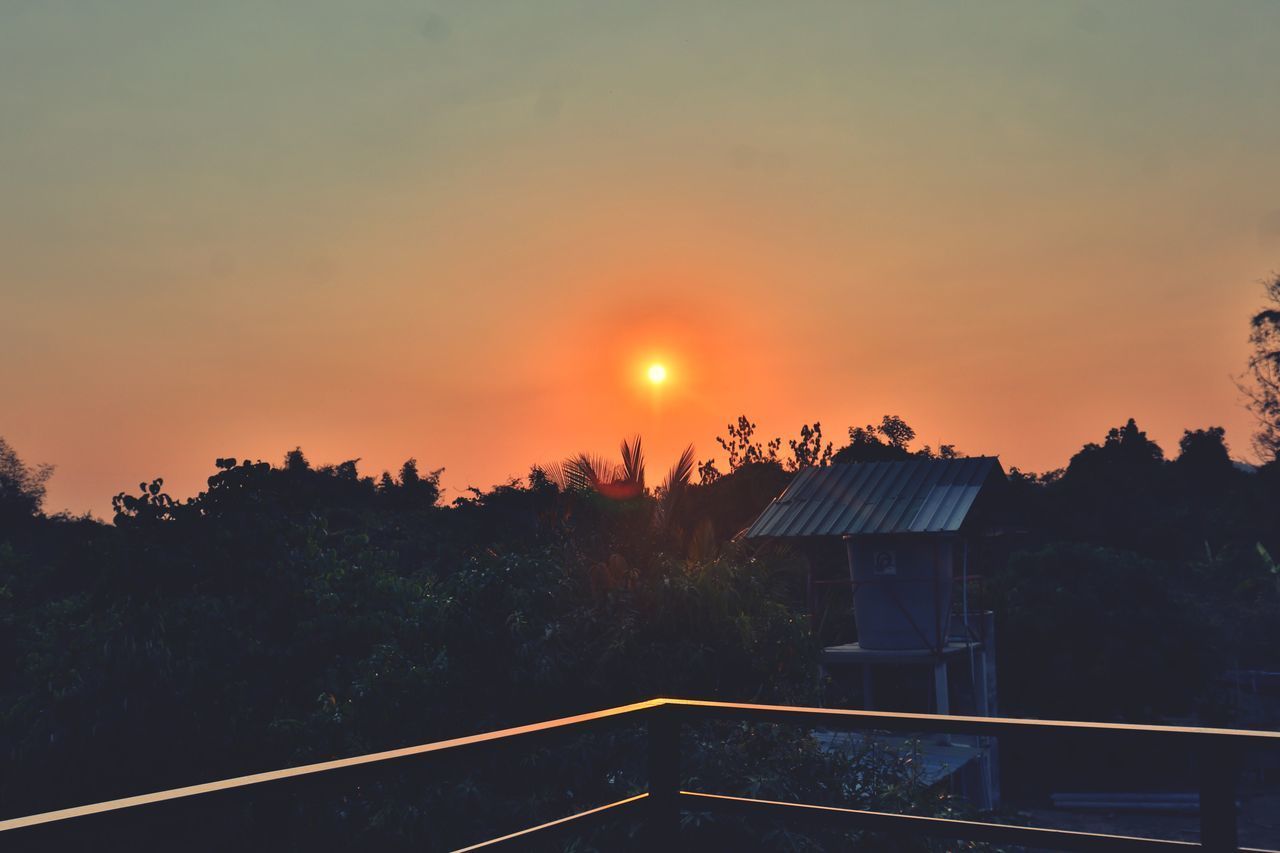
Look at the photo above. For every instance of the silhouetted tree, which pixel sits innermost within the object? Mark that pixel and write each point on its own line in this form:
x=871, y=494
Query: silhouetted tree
x=743, y=447
x=22, y=488
x=884, y=443
x=724, y=505
x=708, y=472
x=149, y=506
x=1112, y=493
x=411, y=488
x=1261, y=385
x=1204, y=449
x=808, y=450
x=896, y=430
x=295, y=460
x=1125, y=451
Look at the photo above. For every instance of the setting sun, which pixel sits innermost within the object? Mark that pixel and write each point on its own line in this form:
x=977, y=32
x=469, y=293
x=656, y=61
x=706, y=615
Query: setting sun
x=657, y=374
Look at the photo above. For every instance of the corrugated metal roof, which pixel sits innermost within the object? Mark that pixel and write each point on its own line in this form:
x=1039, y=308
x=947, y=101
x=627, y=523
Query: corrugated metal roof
x=910, y=496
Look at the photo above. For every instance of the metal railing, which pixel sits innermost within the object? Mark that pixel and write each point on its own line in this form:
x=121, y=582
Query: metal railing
x=1218, y=754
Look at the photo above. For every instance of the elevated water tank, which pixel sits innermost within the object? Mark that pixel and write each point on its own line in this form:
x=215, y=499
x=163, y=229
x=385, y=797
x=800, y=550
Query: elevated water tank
x=901, y=590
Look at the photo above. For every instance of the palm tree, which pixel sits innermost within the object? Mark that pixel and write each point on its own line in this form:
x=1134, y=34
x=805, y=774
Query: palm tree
x=671, y=494
x=589, y=472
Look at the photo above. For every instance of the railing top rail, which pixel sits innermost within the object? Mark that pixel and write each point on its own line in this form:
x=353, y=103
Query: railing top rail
x=322, y=767
x=953, y=724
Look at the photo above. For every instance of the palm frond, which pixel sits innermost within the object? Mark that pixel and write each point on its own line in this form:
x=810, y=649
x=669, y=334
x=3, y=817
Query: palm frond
x=594, y=470
x=559, y=474
x=582, y=472
x=632, y=471
x=678, y=476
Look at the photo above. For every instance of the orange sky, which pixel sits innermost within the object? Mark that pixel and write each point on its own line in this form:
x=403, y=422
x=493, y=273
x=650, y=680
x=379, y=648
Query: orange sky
x=461, y=231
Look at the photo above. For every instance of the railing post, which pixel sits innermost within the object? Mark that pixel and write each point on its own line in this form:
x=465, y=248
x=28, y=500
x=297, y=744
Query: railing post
x=1218, y=771
x=664, y=778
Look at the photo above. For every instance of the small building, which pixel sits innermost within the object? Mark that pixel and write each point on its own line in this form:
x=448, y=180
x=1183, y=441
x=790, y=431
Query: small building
x=907, y=529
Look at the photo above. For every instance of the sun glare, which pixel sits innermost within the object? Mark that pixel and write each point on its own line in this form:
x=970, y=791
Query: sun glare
x=657, y=374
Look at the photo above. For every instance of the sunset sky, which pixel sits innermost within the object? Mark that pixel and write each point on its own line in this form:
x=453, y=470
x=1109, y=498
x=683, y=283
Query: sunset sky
x=463, y=231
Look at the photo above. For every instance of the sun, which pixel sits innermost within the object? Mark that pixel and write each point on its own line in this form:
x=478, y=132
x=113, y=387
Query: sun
x=657, y=374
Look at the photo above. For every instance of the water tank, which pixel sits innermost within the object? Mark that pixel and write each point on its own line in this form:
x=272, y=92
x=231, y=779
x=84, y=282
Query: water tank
x=902, y=590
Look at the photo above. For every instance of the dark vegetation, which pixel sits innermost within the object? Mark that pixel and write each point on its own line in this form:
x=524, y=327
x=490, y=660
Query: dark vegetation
x=293, y=613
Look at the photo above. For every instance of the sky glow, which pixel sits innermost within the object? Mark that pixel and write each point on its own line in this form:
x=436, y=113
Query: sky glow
x=454, y=231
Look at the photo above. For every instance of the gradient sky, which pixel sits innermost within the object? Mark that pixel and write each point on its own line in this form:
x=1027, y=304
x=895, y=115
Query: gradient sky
x=459, y=231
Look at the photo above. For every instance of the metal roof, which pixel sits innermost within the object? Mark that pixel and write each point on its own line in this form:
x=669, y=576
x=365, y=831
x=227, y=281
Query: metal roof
x=910, y=496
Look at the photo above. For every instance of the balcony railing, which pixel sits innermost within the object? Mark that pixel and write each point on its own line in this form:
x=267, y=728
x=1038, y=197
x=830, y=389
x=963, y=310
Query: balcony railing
x=1217, y=752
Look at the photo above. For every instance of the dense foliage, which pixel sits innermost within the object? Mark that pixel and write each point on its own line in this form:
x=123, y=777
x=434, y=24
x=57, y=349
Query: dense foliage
x=291, y=614
x=1151, y=573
